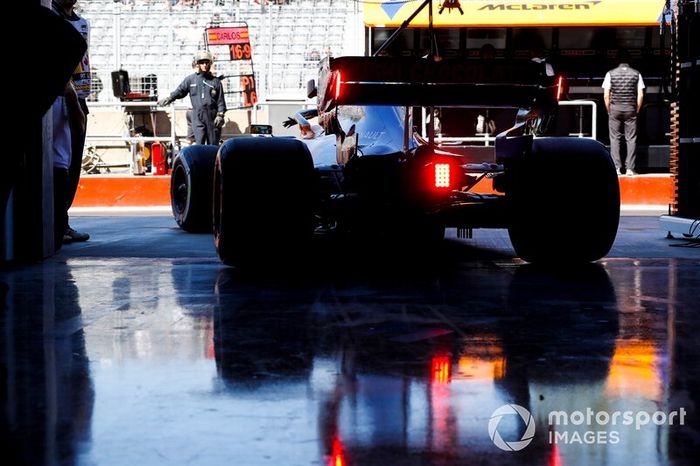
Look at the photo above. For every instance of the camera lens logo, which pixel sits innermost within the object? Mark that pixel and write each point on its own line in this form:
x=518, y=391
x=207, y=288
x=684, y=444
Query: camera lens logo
x=509, y=410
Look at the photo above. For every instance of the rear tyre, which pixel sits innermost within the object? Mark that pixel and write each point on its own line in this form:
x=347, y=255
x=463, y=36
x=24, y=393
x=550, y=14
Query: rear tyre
x=191, y=188
x=565, y=202
x=264, y=194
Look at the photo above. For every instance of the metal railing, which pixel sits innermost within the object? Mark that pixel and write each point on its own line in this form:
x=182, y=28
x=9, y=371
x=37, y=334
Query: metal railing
x=128, y=136
x=153, y=108
x=594, y=116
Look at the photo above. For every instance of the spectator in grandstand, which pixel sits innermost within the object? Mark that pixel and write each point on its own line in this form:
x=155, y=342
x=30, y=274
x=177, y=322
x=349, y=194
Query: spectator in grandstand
x=81, y=83
x=623, y=92
x=207, y=97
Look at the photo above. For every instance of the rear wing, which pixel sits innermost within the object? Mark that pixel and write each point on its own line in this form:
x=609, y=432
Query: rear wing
x=422, y=82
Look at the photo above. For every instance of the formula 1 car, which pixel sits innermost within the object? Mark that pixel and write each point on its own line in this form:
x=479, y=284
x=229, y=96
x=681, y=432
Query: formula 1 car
x=368, y=170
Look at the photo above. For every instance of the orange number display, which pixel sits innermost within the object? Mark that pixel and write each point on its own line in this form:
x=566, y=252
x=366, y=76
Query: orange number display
x=250, y=96
x=241, y=51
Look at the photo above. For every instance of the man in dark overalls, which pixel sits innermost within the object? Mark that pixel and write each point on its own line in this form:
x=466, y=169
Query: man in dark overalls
x=207, y=96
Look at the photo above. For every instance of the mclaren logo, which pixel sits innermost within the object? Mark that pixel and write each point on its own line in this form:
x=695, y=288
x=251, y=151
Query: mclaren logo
x=392, y=7
x=541, y=6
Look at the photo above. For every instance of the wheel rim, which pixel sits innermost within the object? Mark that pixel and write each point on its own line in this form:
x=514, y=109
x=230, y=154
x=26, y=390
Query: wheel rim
x=180, y=192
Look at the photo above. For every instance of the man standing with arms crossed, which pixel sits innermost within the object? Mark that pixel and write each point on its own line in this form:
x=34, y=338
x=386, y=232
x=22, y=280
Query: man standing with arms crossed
x=623, y=91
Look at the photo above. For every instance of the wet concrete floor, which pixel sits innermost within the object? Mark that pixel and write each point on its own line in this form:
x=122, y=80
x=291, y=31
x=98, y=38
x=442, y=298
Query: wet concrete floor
x=139, y=347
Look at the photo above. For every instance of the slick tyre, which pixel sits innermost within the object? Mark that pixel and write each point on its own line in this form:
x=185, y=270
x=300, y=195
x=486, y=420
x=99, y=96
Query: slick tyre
x=264, y=194
x=191, y=188
x=564, y=202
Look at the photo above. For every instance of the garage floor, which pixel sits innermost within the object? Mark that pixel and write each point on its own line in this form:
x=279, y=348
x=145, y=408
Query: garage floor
x=139, y=347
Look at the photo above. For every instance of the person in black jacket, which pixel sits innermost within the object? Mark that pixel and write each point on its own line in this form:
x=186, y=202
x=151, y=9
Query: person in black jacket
x=207, y=96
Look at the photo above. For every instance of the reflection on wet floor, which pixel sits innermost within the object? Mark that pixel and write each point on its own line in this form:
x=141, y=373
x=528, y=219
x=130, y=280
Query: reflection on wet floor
x=159, y=361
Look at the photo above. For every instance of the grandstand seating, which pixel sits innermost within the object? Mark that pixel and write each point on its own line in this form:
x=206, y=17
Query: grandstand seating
x=156, y=37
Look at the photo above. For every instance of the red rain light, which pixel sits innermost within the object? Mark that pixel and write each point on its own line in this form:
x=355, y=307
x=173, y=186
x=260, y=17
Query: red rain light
x=554, y=457
x=441, y=368
x=560, y=87
x=442, y=175
x=337, y=457
x=337, y=85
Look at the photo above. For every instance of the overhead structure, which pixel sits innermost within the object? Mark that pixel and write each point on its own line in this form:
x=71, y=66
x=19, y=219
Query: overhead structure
x=516, y=13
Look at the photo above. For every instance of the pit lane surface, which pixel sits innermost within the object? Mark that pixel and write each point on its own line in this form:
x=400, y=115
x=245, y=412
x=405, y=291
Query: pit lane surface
x=140, y=347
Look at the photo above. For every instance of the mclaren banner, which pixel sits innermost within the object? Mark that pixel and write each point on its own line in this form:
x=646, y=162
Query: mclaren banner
x=490, y=13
